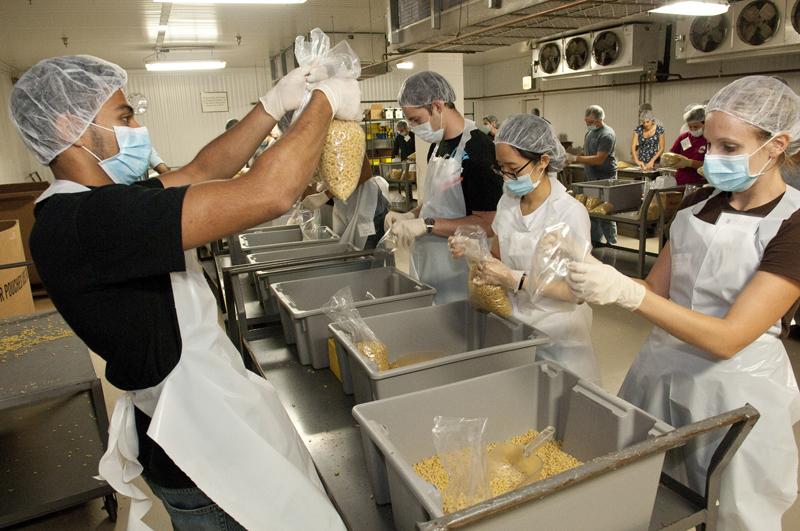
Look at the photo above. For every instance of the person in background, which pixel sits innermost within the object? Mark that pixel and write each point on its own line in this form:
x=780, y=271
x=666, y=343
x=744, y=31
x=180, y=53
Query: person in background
x=460, y=187
x=404, y=145
x=360, y=219
x=721, y=295
x=492, y=124
x=528, y=152
x=647, y=143
x=117, y=255
x=157, y=163
x=691, y=145
x=598, y=157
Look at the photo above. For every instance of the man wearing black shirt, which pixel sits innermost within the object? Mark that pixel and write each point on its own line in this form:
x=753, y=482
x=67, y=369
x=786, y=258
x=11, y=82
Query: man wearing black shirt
x=460, y=186
x=112, y=257
x=404, y=144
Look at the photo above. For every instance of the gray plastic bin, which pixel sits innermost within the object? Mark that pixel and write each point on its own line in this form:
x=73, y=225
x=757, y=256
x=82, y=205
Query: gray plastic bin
x=590, y=422
x=456, y=341
x=375, y=291
x=624, y=194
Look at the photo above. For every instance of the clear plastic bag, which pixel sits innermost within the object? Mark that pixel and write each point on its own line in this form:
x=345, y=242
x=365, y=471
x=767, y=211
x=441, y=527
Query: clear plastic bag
x=388, y=242
x=461, y=447
x=307, y=220
x=340, y=164
x=484, y=297
x=341, y=310
x=557, y=247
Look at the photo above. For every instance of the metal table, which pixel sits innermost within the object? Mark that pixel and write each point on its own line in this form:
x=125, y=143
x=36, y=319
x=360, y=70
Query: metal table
x=53, y=422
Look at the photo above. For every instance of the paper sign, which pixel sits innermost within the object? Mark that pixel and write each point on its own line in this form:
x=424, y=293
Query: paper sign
x=214, y=101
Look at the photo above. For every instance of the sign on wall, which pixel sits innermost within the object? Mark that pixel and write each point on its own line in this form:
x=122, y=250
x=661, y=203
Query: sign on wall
x=214, y=101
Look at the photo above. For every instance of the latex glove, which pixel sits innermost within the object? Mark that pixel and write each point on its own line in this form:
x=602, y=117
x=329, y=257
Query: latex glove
x=494, y=272
x=683, y=162
x=571, y=158
x=462, y=246
x=287, y=94
x=393, y=217
x=315, y=201
x=344, y=96
x=602, y=284
x=408, y=230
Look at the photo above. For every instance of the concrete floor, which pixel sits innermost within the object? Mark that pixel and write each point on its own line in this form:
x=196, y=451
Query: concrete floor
x=617, y=336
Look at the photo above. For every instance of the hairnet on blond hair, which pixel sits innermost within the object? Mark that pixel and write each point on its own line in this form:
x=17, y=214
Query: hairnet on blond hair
x=763, y=102
x=423, y=88
x=532, y=133
x=54, y=102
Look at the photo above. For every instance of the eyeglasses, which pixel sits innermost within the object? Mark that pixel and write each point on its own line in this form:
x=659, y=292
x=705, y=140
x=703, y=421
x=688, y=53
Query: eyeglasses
x=508, y=174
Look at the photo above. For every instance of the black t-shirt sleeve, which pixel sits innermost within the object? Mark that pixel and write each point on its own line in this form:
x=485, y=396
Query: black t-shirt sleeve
x=482, y=187
x=129, y=232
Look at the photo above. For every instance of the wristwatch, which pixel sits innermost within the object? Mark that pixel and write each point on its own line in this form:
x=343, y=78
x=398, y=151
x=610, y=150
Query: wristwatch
x=429, y=223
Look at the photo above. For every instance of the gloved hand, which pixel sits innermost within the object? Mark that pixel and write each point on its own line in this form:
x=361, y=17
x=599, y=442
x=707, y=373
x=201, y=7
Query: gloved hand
x=344, y=96
x=462, y=246
x=393, y=217
x=571, y=158
x=287, y=94
x=409, y=230
x=683, y=162
x=315, y=201
x=494, y=272
x=602, y=284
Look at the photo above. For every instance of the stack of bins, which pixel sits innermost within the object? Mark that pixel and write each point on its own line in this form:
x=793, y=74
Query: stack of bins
x=451, y=341
x=273, y=238
x=375, y=291
x=590, y=423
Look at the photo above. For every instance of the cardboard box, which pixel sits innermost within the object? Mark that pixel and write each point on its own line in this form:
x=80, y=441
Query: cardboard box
x=376, y=111
x=15, y=284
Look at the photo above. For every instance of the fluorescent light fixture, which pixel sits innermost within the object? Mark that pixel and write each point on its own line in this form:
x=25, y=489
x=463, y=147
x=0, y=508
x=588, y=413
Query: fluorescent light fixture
x=405, y=65
x=695, y=8
x=231, y=1
x=178, y=66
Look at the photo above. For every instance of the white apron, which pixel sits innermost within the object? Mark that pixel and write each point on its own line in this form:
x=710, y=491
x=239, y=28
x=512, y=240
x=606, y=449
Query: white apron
x=569, y=325
x=431, y=261
x=354, y=219
x=222, y=425
x=681, y=384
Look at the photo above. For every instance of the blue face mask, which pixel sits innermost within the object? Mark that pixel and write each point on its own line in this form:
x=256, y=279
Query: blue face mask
x=133, y=159
x=731, y=173
x=522, y=186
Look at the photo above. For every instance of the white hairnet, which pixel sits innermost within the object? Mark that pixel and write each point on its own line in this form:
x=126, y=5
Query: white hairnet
x=423, y=88
x=54, y=102
x=695, y=113
x=647, y=116
x=532, y=133
x=763, y=102
x=492, y=119
x=596, y=112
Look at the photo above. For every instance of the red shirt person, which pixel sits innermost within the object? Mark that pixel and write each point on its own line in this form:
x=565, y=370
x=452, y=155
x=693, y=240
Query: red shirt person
x=692, y=145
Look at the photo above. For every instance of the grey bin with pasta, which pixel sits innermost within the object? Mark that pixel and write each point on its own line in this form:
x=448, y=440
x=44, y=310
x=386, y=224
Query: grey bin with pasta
x=590, y=423
x=448, y=343
x=375, y=291
x=624, y=194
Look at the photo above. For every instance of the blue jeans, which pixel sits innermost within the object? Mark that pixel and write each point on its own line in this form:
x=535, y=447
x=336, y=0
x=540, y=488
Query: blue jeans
x=602, y=228
x=190, y=509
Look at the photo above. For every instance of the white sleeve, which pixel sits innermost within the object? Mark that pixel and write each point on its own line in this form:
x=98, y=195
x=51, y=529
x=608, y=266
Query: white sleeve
x=155, y=158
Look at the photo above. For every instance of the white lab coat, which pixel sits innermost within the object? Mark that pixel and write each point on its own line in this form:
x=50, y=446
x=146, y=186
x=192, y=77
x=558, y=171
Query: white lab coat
x=431, y=261
x=221, y=424
x=711, y=265
x=569, y=325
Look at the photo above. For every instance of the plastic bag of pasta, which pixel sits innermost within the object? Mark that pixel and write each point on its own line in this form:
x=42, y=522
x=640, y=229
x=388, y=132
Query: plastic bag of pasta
x=340, y=164
x=473, y=245
x=341, y=310
x=461, y=447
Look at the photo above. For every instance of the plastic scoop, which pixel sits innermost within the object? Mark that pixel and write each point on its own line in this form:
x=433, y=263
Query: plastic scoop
x=544, y=436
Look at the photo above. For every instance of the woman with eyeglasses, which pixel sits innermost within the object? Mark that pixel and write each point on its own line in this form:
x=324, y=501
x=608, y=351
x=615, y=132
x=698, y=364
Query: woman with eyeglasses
x=528, y=155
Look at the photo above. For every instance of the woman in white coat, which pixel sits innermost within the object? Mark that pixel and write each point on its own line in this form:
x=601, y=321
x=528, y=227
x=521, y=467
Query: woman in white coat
x=721, y=295
x=528, y=155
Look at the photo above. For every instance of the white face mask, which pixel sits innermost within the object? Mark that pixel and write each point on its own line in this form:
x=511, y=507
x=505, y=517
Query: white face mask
x=697, y=133
x=426, y=132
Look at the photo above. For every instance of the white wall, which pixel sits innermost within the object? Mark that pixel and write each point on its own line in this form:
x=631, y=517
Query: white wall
x=177, y=125
x=16, y=161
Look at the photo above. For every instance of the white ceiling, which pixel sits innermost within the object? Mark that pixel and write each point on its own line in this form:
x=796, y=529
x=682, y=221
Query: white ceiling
x=125, y=31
